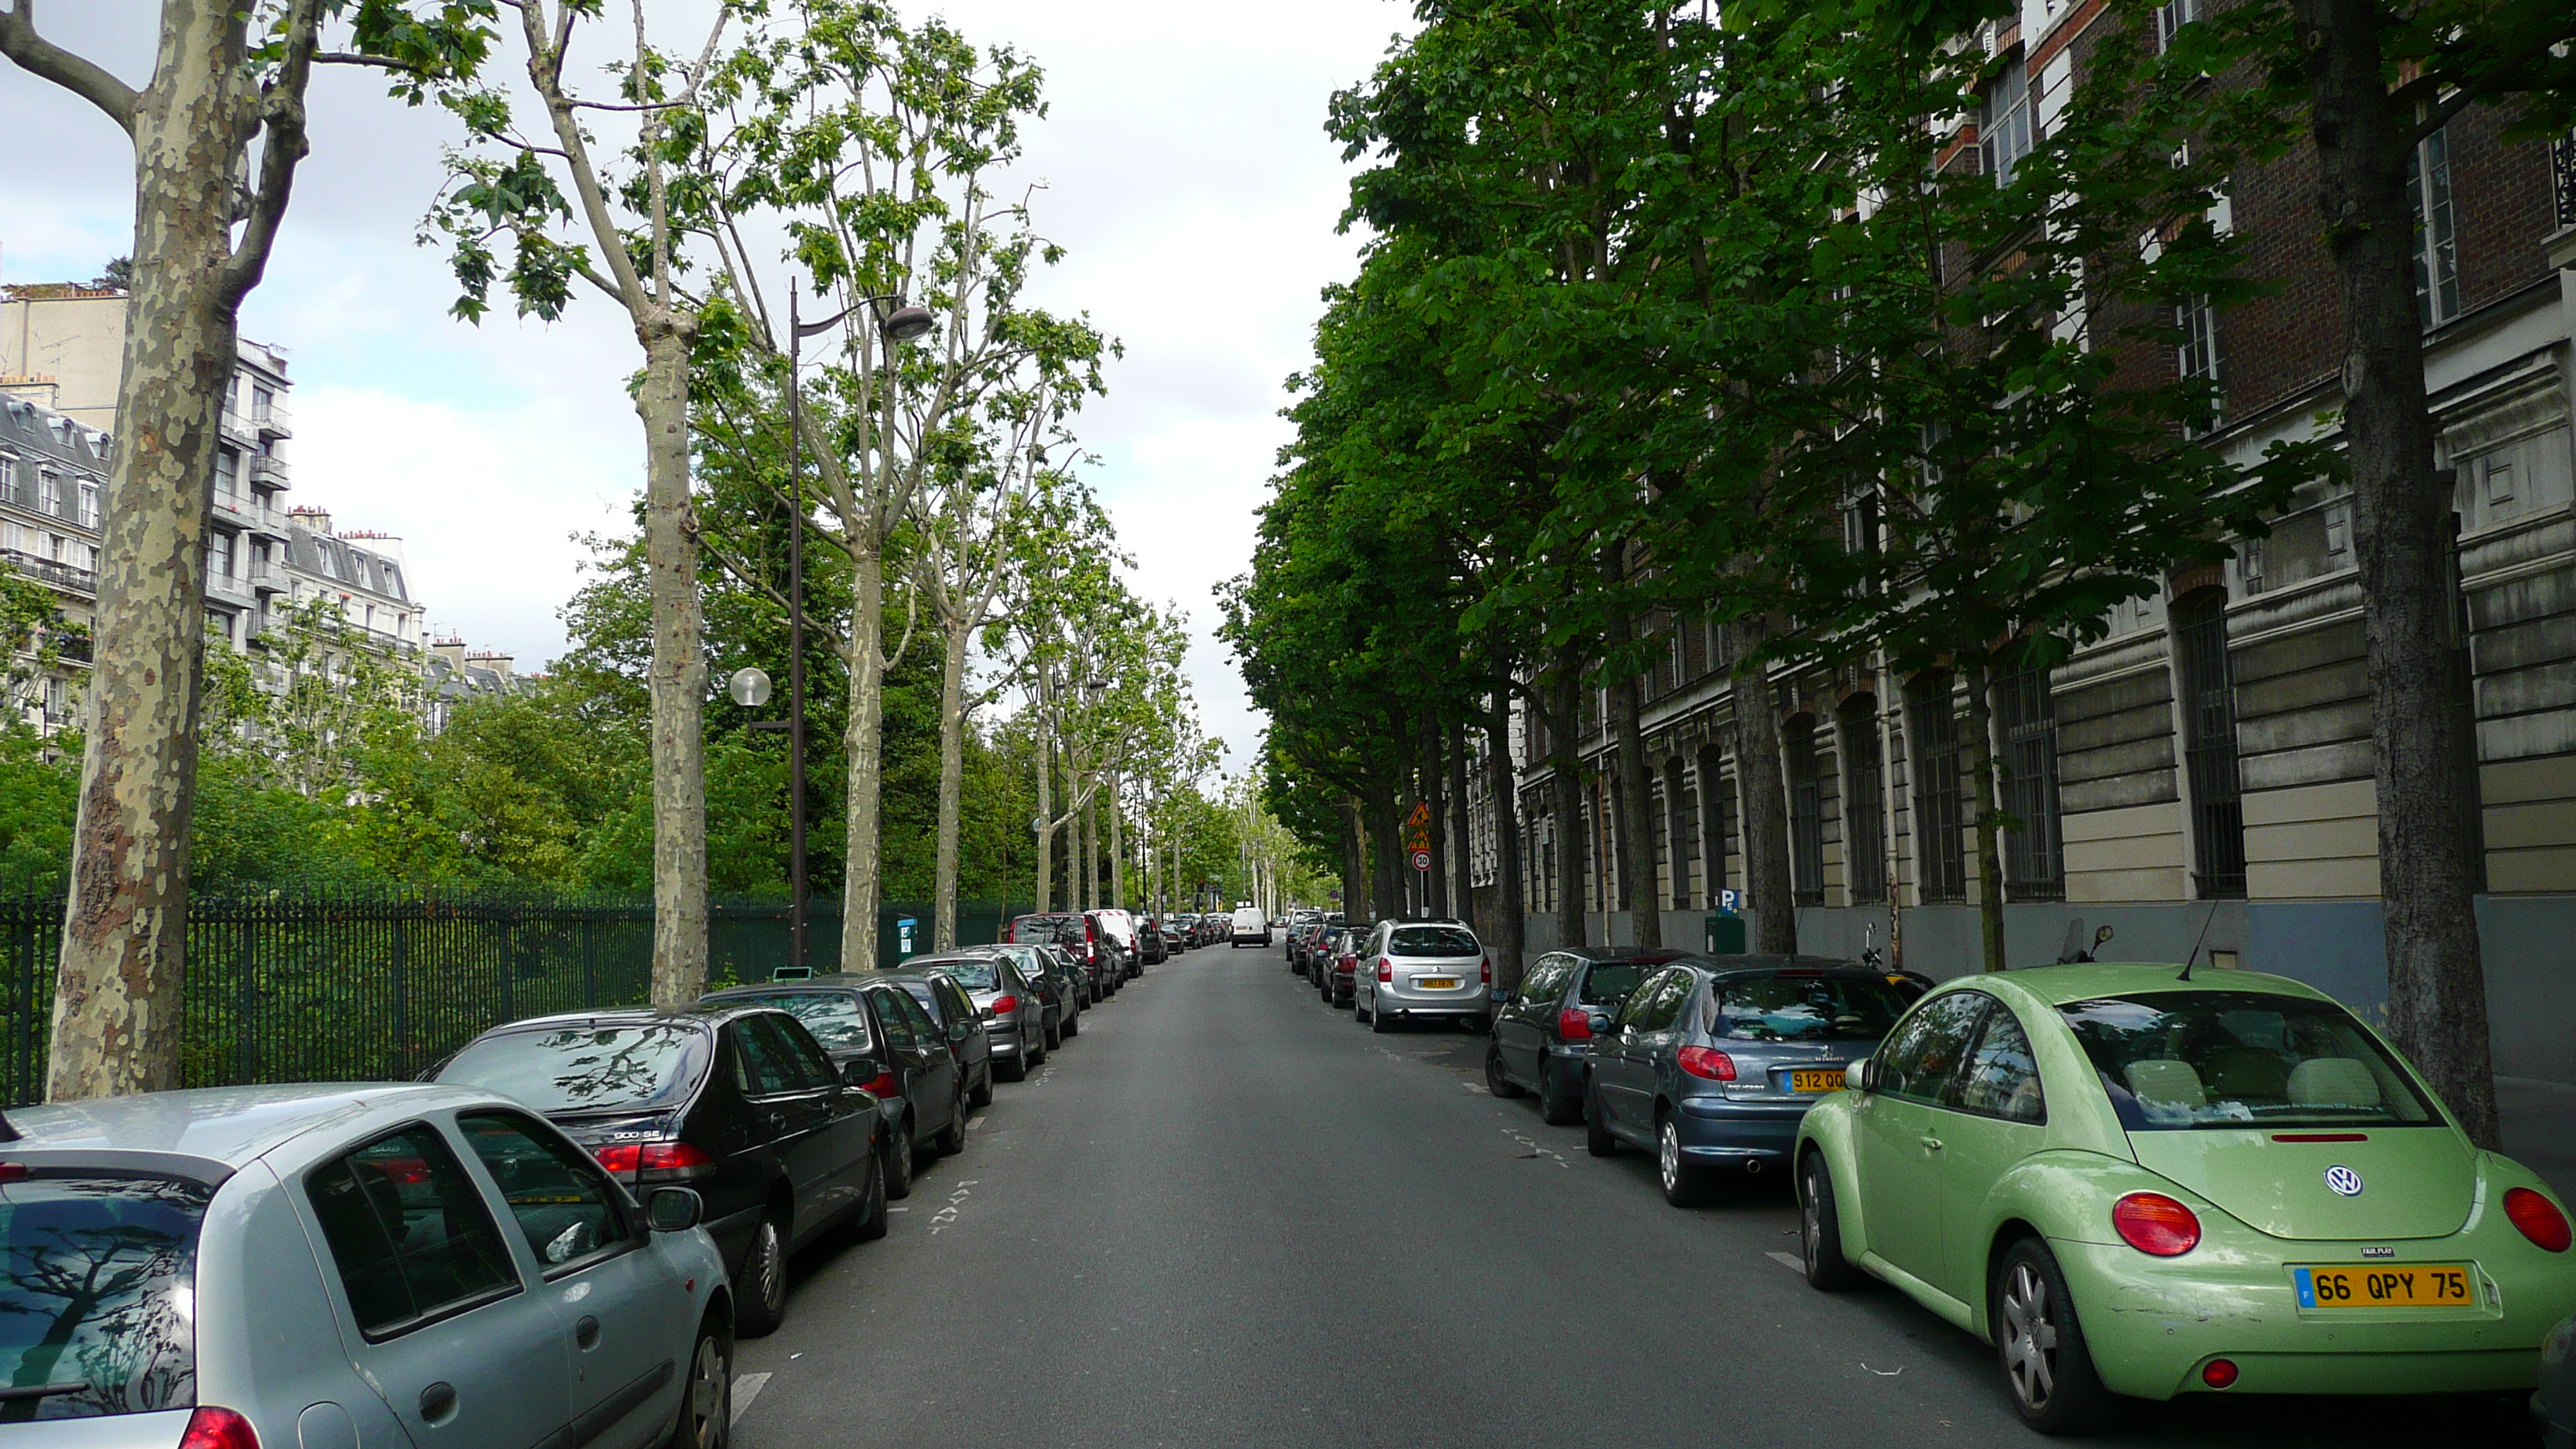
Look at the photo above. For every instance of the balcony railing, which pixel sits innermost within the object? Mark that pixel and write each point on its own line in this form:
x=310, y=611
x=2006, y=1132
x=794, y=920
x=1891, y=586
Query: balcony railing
x=2562, y=177
x=50, y=571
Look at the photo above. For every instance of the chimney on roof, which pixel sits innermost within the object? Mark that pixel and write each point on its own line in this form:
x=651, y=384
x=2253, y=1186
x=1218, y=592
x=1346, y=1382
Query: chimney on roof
x=492, y=659
x=311, y=519
x=451, y=649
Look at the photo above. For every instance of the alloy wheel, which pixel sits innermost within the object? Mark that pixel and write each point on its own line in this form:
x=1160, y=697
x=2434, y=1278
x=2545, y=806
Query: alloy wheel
x=1668, y=1156
x=770, y=1278
x=1811, y=1217
x=2030, y=1335
x=710, y=1395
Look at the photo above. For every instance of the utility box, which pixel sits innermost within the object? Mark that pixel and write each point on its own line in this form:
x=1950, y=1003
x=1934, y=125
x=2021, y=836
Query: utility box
x=1725, y=934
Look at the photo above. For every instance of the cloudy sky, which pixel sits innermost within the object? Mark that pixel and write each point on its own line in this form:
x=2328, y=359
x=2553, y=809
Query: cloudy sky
x=1184, y=166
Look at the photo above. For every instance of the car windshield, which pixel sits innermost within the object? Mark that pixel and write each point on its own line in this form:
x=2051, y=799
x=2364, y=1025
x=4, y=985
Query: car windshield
x=2187, y=1059
x=833, y=1016
x=972, y=974
x=1793, y=1008
x=586, y=1068
x=1610, y=981
x=1047, y=928
x=98, y=1295
x=1432, y=941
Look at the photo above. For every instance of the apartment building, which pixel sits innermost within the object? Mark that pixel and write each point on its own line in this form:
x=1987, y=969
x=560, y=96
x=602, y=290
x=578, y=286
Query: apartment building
x=2200, y=780
x=53, y=472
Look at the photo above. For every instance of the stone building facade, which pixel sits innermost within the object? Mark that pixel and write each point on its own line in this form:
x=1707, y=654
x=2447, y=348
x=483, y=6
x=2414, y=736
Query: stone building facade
x=2201, y=778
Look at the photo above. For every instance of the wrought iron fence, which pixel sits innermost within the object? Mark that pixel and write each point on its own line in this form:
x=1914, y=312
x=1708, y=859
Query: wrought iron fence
x=354, y=988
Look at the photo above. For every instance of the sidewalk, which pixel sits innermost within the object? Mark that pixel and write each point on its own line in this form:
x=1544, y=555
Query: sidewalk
x=2540, y=1129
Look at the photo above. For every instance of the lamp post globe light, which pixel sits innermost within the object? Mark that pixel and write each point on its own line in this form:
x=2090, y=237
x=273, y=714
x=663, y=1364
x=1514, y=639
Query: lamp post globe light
x=749, y=686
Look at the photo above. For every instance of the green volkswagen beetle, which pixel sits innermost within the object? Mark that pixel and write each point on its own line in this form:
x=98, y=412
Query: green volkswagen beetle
x=2132, y=1180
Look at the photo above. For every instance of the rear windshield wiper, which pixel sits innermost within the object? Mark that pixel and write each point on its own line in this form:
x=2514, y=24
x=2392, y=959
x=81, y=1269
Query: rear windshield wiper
x=41, y=1391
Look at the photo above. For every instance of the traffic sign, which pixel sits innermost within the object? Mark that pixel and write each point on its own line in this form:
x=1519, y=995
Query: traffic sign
x=1422, y=860
x=1417, y=829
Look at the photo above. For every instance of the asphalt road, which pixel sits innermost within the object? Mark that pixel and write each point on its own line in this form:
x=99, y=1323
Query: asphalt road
x=1227, y=1216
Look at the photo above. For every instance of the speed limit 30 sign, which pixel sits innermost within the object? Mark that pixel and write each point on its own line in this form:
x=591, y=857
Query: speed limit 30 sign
x=1422, y=860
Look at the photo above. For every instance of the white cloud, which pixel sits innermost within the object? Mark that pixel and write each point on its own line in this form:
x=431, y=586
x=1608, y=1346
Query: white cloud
x=1186, y=173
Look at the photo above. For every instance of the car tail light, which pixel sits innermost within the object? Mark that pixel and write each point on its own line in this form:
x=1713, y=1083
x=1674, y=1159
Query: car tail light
x=2218, y=1373
x=1005, y=1005
x=1385, y=969
x=1709, y=1063
x=2154, y=1223
x=1574, y=1024
x=1485, y=971
x=655, y=1161
x=13, y=1172
x=2537, y=1217
x=213, y=1428
x=884, y=1085
x=1090, y=929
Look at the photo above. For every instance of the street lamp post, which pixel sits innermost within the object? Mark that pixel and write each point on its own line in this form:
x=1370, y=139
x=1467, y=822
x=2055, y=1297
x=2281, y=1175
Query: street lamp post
x=902, y=324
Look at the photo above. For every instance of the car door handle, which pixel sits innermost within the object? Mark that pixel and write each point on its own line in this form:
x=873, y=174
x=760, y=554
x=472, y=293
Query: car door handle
x=437, y=1401
x=585, y=1334
x=1931, y=1144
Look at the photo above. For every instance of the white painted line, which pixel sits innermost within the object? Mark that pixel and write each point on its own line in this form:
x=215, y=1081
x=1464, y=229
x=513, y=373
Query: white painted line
x=898, y=1210
x=1789, y=1261
x=746, y=1387
x=975, y=1123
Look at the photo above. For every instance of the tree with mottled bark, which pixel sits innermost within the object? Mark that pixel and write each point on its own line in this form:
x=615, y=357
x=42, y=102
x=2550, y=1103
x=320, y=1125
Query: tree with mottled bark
x=218, y=132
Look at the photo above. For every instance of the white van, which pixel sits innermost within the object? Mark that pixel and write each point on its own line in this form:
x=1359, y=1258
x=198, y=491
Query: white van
x=1251, y=927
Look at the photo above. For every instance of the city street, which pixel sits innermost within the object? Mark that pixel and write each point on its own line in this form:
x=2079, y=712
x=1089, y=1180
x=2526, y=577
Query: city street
x=1225, y=1215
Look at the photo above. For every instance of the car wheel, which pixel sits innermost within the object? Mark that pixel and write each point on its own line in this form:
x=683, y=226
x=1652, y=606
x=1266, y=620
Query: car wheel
x=1380, y=1022
x=706, y=1404
x=1072, y=1027
x=760, y=1284
x=869, y=1223
x=1596, y=1130
x=898, y=1162
x=982, y=1096
x=1685, y=1185
x=1820, y=1229
x=1557, y=1107
x=2040, y=1346
x=952, y=1139
x=1498, y=1081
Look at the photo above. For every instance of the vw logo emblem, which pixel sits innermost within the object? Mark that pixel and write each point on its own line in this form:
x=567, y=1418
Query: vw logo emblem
x=2343, y=1181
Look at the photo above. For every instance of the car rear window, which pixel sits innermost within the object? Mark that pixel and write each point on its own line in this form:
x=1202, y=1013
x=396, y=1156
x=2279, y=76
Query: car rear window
x=2177, y=1060
x=1790, y=1008
x=1432, y=941
x=971, y=974
x=586, y=1068
x=1047, y=928
x=833, y=1017
x=97, y=1294
x=1610, y=981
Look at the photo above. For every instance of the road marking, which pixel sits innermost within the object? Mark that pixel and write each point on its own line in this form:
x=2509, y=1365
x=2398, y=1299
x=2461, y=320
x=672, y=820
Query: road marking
x=1789, y=1261
x=1473, y=1086
x=1535, y=1150
x=746, y=1387
x=975, y=1123
x=898, y=1210
x=947, y=1217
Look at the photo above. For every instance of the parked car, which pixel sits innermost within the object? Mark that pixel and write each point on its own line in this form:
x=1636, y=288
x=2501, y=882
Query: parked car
x=1151, y=947
x=949, y=1004
x=1061, y=989
x=1710, y=1065
x=2100, y=1137
x=1116, y=930
x=1249, y=928
x=1422, y=971
x=1014, y=1014
x=882, y=1038
x=1340, y=962
x=736, y=1102
x=1304, y=942
x=1543, y=1031
x=1096, y=980
x=1076, y=931
x=131, y=1221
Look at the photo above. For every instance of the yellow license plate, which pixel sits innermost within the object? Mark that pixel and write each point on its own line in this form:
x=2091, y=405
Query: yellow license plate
x=1435, y=983
x=1817, y=1081
x=2386, y=1285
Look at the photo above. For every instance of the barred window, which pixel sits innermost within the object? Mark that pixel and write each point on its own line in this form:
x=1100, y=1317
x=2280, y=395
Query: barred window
x=2034, y=845
x=1806, y=812
x=1934, y=728
x=2209, y=745
x=1864, y=803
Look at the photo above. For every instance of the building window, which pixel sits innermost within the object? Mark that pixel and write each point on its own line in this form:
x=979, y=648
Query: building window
x=9, y=481
x=2197, y=357
x=1864, y=803
x=227, y=473
x=219, y=555
x=49, y=493
x=2209, y=745
x=1806, y=812
x=2171, y=18
x=2437, y=255
x=89, y=505
x=2003, y=130
x=2034, y=845
x=1937, y=824
x=1691, y=857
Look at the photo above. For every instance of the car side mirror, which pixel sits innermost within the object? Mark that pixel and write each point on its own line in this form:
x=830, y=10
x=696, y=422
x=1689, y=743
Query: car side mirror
x=1600, y=1023
x=988, y=1013
x=957, y=1030
x=673, y=1210
x=1860, y=1076
x=859, y=1071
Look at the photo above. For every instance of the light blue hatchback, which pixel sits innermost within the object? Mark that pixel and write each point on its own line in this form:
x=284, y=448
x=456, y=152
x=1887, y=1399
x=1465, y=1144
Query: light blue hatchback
x=345, y=1265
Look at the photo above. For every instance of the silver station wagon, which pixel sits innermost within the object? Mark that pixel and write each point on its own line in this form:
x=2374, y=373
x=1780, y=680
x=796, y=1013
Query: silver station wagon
x=345, y=1266
x=1422, y=971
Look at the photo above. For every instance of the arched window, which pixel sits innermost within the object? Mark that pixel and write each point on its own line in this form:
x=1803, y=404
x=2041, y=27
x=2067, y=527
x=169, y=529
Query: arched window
x=1806, y=811
x=1864, y=802
x=2209, y=745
